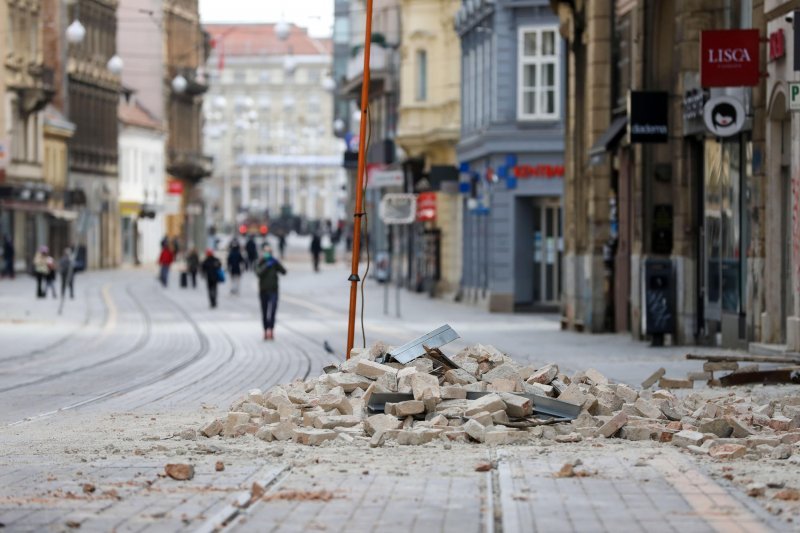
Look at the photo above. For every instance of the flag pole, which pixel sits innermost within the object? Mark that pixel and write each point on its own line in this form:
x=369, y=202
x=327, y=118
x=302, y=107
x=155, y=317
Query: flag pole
x=358, y=211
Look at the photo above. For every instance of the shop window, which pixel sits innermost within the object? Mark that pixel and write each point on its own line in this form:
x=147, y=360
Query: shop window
x=538, y=95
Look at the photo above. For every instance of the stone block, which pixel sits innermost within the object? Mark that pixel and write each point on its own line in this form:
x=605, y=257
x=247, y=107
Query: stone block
x=517, y=406
x=727, y=451
x=669, y=383
x=388, y=381
x=416, y=437
x=636, y=432
x=595, y=377
x=626, y=394
x=270, y=416
x=212, y=429
x=479, y=386
x=507, y=370
x=253, y=409
x=381, y=422
x=341, y=421
x=539, y=389
x=653, y=378
x=544, y=375
x=496, y=436
x=686, y=437
x=648, y=409
x=348, y=382
x=500, y=417
x=784, y=423
x=283, y=430
x=313, y=436
x=489, y=402
x=740, y=429
x=714, y=366
x=453, y=392
x=718, y=426
x=502, y=385
x=372, y=370
x=234, y=419
x=459, y=376
x=573, y=394
x=245, y=429
x=475, y=430
x=484, y=418
x=404, y=379
x=265, y=434
x=425, y=386
x=569, y=437
x=699, y=376
x=613, y=425
x=409, y=408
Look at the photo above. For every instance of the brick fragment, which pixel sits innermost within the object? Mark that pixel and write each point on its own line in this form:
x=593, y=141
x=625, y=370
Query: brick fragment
x=648, y=409
x=409, y=408
x=596, y=377
x=459, y=376
x=669, y=383
x=699, y=376
x=489, y=402
x=544, y=375
x=381, y=422
x=179, y=471
x=234, y=419
x=313, y=436
x=517, y=406
x=739, y=429
x=212, y=429
x=613, y=425
x=475, y=430
x=686, y=437
x=425, y=386
x=718, y=426
x=653, y=378
x=373, y=370
x=453, y=392
x=626, y=394
x=484, y=418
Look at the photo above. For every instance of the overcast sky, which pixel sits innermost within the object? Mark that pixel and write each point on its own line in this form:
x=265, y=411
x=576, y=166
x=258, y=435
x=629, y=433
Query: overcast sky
x=316, y=15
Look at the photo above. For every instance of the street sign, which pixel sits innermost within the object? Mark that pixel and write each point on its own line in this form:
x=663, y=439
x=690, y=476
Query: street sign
x=794, y=96
x=399, y=208
x=381, y=176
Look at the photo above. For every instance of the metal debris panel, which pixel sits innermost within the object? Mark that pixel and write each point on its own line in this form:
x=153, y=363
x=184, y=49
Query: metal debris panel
x=416, y=348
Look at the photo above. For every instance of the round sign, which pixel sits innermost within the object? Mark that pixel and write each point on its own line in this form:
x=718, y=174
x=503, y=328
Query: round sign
x=724, y=116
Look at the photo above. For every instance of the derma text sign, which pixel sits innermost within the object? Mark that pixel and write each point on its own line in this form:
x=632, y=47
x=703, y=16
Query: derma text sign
x=729, y=58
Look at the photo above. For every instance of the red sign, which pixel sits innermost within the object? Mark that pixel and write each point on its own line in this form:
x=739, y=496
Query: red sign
x=777, y=45
x=729, y=58
x=174, y=187
x=426, y=206
x=538, y=171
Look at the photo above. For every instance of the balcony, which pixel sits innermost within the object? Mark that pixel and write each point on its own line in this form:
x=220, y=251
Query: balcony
x=190, y=166
x=35, y=96
x=380, y=66
x=196, y=83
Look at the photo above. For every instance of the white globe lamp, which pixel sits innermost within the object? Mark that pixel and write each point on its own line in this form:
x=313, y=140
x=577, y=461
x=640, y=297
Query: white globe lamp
x=76, y=32
x=179, y=84
x=115, y=65
x=282, y=30
x=329, y=84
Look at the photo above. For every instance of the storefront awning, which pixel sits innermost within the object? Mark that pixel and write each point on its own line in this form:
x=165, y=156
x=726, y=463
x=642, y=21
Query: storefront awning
x=608, y=139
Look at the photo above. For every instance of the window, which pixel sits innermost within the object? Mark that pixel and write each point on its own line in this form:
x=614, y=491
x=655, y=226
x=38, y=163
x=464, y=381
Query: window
x=538, y=76
x=263, y=76
x=422, y=76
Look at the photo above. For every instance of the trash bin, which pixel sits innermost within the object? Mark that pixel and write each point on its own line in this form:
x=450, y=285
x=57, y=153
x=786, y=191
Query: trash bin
x=659, y=298
x=330, y=255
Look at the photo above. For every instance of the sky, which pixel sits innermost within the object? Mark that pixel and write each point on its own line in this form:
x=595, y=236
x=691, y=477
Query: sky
x=316, y=15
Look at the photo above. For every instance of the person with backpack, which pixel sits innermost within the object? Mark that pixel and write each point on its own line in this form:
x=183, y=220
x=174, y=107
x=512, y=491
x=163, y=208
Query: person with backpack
x=210, y=268
x=268, y=268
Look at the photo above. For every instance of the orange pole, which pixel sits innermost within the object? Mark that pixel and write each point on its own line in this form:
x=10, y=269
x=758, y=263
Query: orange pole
x=358, y=213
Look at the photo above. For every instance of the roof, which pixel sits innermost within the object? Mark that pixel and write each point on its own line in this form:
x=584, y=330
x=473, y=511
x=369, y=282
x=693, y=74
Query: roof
x=256, y=39
x=133, y=113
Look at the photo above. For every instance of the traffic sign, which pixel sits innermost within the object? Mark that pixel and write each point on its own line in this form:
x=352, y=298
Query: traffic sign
x=794, y=96
x=399, y=208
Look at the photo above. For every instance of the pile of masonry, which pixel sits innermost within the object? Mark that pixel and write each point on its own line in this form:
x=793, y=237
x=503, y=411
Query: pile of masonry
x=332, y=407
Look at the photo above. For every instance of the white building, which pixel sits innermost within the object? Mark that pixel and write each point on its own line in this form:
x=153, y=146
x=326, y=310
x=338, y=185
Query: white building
x=142, y=183
x=268, y=124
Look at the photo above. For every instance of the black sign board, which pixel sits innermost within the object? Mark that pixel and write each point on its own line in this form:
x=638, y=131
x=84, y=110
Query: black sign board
x=796, y=26
x=648, y=116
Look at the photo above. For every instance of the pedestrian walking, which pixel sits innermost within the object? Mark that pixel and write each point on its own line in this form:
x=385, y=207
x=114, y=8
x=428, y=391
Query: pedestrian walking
x=282, y=243
x=267, y=269
x=192, y=265
x=251, y=250
x=8, y=257
x=316, y=250
x=66, y=267
x=210, y=268
x=165, y=261
x=235, y=262
x=50, y=278
x=40, y=270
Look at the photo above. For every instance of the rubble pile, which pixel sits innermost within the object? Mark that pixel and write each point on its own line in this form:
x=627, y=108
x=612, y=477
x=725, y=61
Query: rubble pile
x=435, y=392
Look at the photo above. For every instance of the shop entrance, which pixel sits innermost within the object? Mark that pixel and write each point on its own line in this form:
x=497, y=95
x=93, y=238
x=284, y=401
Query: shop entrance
x=547, y=251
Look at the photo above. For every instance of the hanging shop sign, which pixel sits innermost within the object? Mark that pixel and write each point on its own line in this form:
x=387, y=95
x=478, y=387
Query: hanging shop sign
x=426, y=206
x=729, y=58
x=777, y=45
x=794, y=96
x=724, y=116
x=538, y=171
x=174, y=187
x=382, y=176
x=648, y=119
x=398, y=208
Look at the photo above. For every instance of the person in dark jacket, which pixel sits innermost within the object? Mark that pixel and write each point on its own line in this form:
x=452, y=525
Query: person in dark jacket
x=251, y=250
x=235, y=262
x=8, y=257
x=66, y=267
x=267, y=269
x=210, y=269
x=193, y=265
x=316, y=250
x=282, y=243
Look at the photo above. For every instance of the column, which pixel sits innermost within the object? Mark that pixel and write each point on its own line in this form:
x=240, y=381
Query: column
x=246, y=187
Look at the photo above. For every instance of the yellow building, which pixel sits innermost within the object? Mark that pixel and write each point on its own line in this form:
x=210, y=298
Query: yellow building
x=429, y=123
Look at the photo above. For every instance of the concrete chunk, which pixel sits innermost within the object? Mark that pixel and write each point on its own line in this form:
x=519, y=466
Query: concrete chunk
x=409, y=408
x=613, y=425
x=475, y=430
x=372, y=370
x=380, y=423
x=686, y=437
x=313, y=436
x=517, y=406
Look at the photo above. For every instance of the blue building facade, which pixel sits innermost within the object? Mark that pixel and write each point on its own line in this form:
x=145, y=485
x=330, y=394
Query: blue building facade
x=513, y=76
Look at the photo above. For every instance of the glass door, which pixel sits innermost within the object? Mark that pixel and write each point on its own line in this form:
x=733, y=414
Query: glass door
x=547, y=251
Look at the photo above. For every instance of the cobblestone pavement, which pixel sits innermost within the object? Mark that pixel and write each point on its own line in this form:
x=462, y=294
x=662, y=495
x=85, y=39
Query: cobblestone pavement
x=95, y=395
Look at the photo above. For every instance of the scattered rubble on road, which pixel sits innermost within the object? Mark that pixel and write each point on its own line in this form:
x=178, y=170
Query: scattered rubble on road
x=179, y=472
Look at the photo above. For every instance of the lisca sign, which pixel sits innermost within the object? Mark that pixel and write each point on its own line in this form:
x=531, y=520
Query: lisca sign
x=729, y=58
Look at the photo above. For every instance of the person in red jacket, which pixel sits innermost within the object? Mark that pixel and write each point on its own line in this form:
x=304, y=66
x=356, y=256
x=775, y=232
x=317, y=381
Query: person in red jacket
x=165, y=261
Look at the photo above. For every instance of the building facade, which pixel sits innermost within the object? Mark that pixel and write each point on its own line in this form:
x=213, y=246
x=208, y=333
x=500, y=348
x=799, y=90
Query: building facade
x=26, y=87
x=185, y=82
x=664, y=211
x=269, y=117
x=511, y=154
x=142, y=185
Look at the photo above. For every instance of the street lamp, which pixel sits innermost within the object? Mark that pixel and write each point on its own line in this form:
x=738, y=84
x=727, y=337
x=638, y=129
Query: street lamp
x=329, y=84
x=76, y=32
x=282, y=30
x=179, y=84
x=115, y=65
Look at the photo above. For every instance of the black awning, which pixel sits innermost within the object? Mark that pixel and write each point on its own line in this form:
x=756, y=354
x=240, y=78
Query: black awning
x=609, y=139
